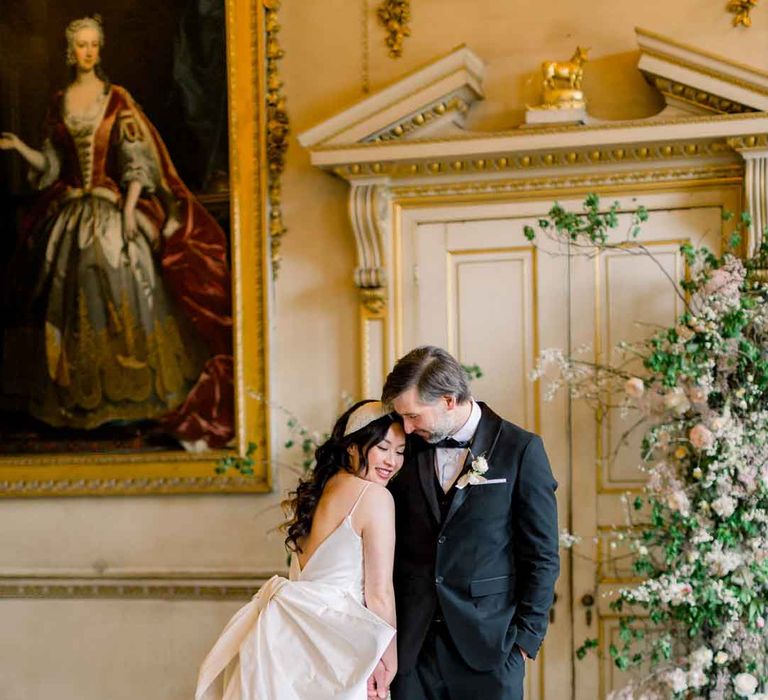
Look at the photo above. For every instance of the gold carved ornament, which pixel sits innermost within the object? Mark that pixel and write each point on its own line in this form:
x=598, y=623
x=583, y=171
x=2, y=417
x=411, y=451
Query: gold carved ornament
x=278, y=128
x=741, y=9
x=394, y=16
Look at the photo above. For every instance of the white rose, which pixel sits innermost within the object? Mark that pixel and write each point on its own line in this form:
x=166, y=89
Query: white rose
x=678, y=593
x=745, y=683
x=701, y=658
x=678, y=500
x=721, y=657
x=480, y=465
x=634, y=387
x=677, y=680
x=696, y=678
x=724, y=506
x=677, y=401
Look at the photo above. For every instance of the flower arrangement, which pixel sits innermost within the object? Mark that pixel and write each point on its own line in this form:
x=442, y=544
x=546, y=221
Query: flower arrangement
x=696, y=621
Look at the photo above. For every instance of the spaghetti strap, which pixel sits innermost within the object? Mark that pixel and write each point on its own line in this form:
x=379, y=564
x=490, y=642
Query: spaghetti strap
x=365, y=488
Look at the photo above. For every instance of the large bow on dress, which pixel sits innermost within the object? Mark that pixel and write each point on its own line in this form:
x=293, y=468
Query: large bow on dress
x=224, y=657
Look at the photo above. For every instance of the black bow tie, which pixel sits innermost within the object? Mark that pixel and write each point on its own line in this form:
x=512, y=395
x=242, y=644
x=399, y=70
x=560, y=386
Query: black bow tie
x=450, y=443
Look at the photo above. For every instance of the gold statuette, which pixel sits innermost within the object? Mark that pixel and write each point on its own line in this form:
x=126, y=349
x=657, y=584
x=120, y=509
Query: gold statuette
x=561, y=82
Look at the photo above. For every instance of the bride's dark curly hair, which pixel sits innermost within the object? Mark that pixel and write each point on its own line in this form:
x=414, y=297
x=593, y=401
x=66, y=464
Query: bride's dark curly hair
x=330, y=458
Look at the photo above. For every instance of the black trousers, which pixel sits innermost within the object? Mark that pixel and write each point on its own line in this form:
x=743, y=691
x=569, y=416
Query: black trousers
x=441, y=674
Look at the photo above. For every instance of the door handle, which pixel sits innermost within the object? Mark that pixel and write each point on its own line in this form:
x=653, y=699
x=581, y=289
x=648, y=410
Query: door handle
x=588, y=601
x=552, y=609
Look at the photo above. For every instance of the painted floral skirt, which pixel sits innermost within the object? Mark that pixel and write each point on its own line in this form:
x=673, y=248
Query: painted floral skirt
x=94, y=337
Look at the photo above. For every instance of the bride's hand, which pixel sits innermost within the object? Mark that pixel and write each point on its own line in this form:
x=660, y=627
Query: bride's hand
x=378, y=683
x=391, y=672
x=8, y=141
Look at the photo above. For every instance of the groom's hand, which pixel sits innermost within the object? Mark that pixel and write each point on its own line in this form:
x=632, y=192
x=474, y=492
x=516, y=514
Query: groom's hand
x=377, y=683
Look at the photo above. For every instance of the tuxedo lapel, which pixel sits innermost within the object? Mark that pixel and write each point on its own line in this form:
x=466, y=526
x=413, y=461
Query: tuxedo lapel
x=425, y=464
x=486, y=435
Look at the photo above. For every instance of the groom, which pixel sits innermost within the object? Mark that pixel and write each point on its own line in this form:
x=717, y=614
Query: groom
x=476, y=558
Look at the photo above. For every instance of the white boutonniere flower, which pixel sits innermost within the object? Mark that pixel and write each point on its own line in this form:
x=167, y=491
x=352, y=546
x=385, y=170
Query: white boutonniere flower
x=474, y=476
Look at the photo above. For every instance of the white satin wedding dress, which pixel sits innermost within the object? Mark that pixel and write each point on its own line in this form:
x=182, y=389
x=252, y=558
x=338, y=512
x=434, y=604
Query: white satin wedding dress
x=307, y=638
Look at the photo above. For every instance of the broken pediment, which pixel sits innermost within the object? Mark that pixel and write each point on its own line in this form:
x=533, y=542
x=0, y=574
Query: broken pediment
x=696, y=82
x=431, y=99
x=412, y=130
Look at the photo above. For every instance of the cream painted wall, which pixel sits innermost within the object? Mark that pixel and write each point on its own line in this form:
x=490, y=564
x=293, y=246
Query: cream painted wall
x=104, y=650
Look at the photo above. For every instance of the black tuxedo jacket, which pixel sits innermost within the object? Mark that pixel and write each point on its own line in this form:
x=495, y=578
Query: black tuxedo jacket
x=491, y=563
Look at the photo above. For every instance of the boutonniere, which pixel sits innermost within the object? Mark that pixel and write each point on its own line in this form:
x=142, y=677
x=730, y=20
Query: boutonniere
x=474, y=476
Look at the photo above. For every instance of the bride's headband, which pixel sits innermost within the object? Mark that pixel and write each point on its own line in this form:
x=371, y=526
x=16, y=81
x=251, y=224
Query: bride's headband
x=363, y=415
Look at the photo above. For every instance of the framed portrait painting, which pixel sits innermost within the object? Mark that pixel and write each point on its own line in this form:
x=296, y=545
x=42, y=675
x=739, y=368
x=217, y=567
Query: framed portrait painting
x=133, y=254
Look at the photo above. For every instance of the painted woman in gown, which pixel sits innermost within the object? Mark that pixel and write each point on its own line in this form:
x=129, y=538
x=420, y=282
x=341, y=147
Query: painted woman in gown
x=327, y=632
x=118, y=305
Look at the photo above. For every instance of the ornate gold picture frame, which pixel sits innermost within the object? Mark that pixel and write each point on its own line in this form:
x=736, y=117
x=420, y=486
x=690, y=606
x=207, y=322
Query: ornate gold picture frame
x=67, y=473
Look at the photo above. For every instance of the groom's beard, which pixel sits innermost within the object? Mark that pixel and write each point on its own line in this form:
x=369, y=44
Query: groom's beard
x=442, y=430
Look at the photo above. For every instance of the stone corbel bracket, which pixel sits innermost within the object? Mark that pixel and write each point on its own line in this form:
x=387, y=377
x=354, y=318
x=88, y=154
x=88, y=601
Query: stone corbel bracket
x=369, y=215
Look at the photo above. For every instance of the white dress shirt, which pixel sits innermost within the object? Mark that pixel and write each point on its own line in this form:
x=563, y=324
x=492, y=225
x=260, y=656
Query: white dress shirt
x=449, y=461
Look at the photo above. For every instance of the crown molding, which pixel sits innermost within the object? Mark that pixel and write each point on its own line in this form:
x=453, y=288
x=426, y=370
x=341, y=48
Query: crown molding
x=134, y=585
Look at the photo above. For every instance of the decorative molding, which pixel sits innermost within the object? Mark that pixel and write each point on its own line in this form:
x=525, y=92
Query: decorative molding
x=278, y=128
x=435, y=157
x=702, y=71
x=536, y=160
x=374, y=300
x=202, y=586
x=483, y=188
x=676, y=92
x=410, y=124
x=748, y=143
x=456, y=75
x=19, y=488
x=741, y=10
x=368, y=213
x=394, y=16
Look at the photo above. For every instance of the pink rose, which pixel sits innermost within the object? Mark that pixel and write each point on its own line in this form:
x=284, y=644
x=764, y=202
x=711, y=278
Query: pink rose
x=634, y=387
x=698, y=395
x=701, y=437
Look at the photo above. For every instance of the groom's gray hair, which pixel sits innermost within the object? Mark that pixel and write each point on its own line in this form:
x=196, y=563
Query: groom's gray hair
x=433, y=371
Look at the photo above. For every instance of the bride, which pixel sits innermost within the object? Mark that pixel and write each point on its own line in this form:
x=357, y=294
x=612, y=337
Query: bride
x=329, y=630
